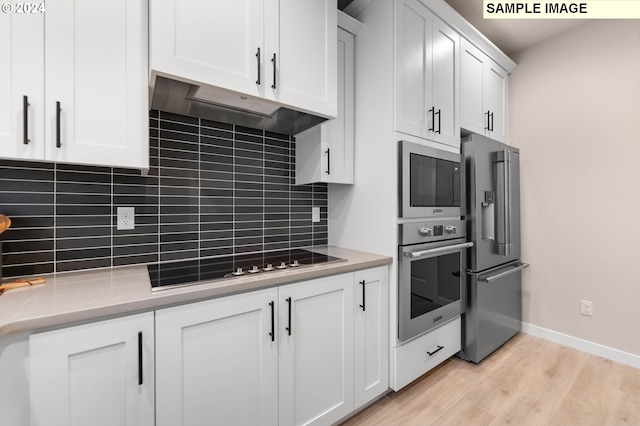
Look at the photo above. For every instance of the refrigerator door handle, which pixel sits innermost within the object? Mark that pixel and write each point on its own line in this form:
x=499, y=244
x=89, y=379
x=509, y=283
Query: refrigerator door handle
x=503, y=218
x=490, y=278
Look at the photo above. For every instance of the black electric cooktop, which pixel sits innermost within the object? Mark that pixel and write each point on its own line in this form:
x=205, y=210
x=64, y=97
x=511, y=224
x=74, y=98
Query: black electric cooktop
x=168, y=274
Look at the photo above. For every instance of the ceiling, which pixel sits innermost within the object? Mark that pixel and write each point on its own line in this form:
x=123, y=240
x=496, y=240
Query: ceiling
x=510, y=35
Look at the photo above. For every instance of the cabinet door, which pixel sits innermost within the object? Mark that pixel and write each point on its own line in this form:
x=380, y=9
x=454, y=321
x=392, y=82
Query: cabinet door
x=339, y=159
x=483, y=94
x=316, y=351
x=217, y=362
x=413, y=68
x=302, y=36
x=324, y=153
x=495, y=99
x=96, y=69
x=473, y=114
x=90, y=374
x=21, y=74
x=371, y=367
x=210, y=41
x=445, y=93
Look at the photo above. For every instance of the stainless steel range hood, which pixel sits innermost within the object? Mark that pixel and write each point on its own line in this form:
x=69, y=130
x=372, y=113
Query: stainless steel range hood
x=217, y=104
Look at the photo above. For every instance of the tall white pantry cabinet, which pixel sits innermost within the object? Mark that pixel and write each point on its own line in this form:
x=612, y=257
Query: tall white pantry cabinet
x=395, y=46
x=74, y=84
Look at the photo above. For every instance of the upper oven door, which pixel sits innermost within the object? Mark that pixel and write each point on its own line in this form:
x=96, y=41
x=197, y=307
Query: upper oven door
x=430, y=285
x=429, y=182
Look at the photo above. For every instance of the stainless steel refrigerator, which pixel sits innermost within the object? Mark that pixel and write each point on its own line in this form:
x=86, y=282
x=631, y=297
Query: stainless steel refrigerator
x=493, y=297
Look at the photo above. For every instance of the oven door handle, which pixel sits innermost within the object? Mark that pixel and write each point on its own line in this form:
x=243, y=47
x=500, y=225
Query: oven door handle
x=439, y=250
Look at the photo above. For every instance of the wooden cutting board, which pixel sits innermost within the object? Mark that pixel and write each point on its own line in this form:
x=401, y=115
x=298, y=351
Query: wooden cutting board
x=20, y=283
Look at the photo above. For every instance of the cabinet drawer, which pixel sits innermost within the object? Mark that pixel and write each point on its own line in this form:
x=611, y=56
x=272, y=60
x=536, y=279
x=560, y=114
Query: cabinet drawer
x=413, y=360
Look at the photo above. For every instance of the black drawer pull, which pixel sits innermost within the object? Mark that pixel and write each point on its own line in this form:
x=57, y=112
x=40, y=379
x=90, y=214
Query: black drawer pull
x=436, y=351
x=258, y=56
x=273, y=331
x=273, y=60
x=328, y=152
x=25, y=119
x=140, y=358
x=289, y=328
x=364, y=294
x=433, y=119
x=58, y=109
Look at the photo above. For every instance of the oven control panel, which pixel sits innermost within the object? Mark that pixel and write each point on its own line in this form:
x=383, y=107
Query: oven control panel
x=431, y=230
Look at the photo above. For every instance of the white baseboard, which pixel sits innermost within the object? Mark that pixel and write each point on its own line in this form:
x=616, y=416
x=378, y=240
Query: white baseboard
x=583, y=345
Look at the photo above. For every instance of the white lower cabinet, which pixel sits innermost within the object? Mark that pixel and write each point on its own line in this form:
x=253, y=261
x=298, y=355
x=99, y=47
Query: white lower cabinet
x=371, y=336
x=425, y=352
x=316, y=351
x=100, y=373
x=216, y=362
x=308, y=353
x=277, y=356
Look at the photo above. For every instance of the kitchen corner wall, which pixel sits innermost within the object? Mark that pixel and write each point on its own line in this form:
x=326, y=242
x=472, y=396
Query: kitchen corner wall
x=213, y=189
x=574, y=110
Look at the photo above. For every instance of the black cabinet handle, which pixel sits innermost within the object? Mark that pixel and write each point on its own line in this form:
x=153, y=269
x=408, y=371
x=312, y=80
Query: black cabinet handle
x=288, y=299
x=439, y=121
x=25, y=119
x=364, y=295
x=436, y=351
x=433, y=119
x=488, y=126
x=328, y=152
x=139, y=357
x=258, y=56
x=273, y=331
x=273, y=60
x=58, y=142
x=491, y=122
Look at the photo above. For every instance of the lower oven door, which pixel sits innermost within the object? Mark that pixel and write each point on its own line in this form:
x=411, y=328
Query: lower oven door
x=430, y=279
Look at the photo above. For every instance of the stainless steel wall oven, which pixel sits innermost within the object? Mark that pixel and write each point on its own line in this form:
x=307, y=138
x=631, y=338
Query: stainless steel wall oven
x=431, y=273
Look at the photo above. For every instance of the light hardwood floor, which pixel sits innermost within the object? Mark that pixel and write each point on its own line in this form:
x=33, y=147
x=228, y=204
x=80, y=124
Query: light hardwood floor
x=529, y=381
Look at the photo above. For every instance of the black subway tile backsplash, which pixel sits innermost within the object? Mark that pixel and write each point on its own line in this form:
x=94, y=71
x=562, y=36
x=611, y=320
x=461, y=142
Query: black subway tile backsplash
x=213, y=189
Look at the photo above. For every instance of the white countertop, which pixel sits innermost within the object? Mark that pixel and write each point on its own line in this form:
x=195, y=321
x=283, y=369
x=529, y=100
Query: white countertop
x=76, y=297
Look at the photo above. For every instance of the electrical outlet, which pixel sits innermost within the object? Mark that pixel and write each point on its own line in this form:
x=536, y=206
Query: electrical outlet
x=586, y=308
x=126, y=218
x=315, y=214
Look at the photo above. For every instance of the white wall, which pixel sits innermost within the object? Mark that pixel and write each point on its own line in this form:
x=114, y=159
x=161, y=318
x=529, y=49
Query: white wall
x=574, y=105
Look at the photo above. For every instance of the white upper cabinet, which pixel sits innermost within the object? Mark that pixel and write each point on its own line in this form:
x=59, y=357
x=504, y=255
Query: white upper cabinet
x=484, y=94
x=95, y=83
x=215, y=42
x=426, y=74
x=305, y=54
x=22, y=86
x=280, y=50
x=92, y=107
x=324, y=153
